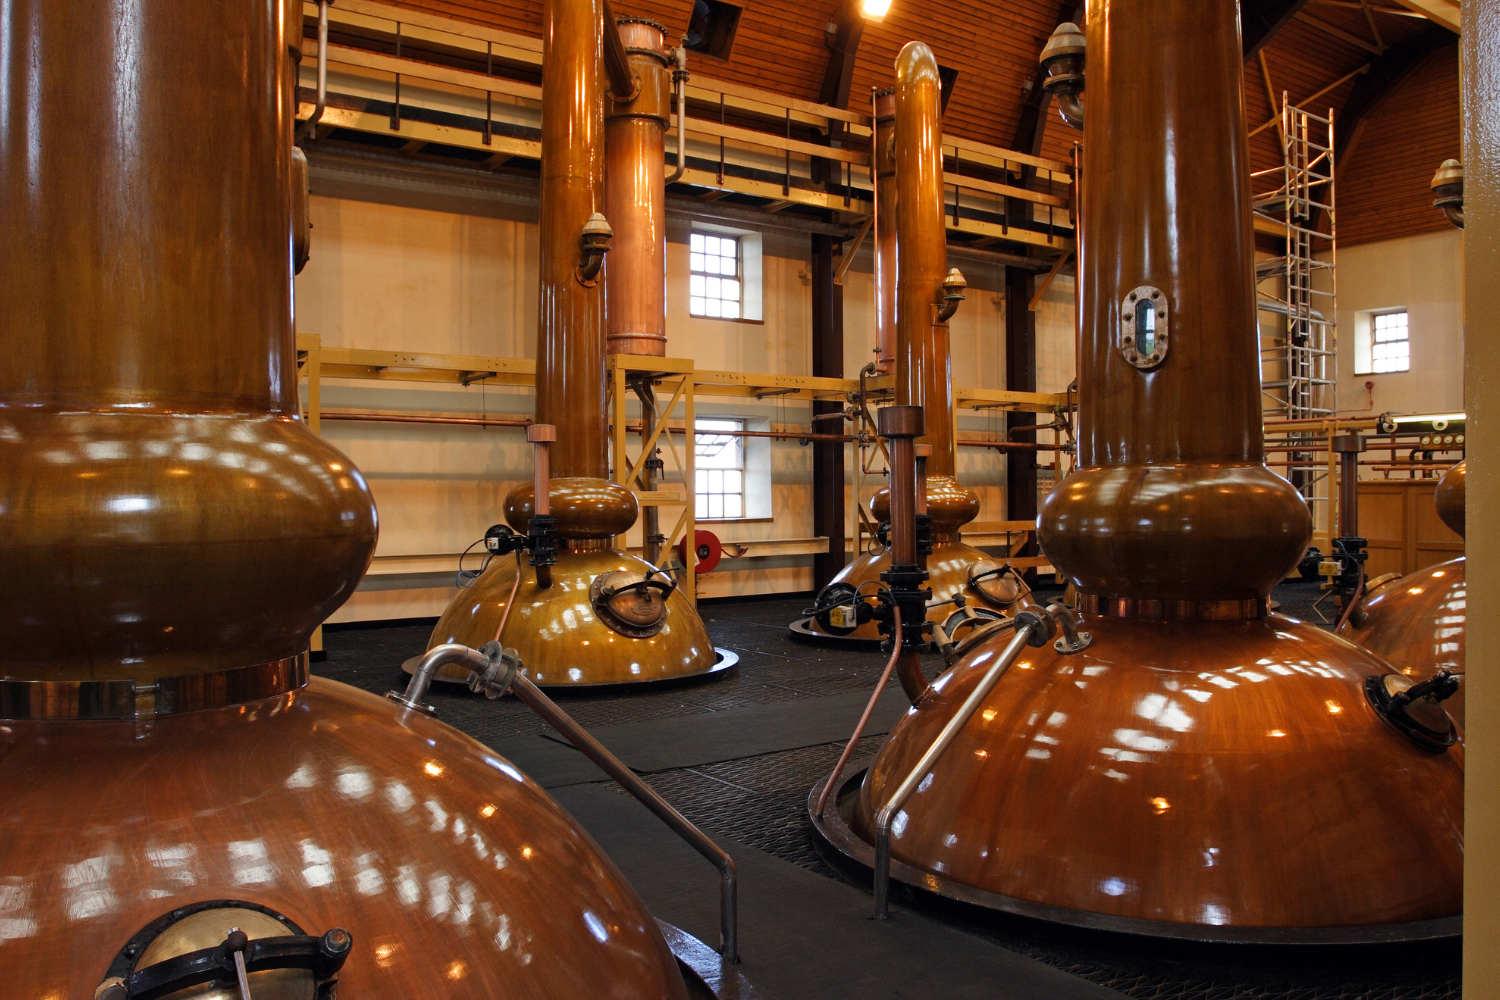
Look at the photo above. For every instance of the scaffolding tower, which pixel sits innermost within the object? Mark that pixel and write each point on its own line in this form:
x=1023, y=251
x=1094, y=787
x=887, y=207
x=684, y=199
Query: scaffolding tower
x=1299, y=366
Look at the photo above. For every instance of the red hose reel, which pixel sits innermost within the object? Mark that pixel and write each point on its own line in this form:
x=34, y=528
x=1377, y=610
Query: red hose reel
x=706, y=547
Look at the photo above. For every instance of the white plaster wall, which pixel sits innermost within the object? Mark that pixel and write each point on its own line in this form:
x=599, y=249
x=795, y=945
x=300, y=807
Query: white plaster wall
x=1423, y=274
x=411, y=268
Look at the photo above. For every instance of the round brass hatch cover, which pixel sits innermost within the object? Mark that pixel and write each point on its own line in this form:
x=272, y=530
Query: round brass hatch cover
x=633, y=604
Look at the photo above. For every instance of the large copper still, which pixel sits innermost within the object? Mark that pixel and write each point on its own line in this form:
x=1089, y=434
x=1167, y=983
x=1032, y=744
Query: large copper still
x=1192, y=765
x=915, y=295
x=558, y=626
x=170, y=535
x=1417, y=622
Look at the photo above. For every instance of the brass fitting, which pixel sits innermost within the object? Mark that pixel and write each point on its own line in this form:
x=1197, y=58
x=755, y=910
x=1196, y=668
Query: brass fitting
x=593, y=245
x=953, y=293
x=1062, y=58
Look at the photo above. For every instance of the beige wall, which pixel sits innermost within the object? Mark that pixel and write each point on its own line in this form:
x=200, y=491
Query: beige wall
x=423, y=264
x=1423, y=274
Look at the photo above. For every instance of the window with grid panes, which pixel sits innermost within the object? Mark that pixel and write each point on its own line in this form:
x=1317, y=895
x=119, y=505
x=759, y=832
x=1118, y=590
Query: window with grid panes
x=715, y=287
x=719, y=467
x=1390, y=349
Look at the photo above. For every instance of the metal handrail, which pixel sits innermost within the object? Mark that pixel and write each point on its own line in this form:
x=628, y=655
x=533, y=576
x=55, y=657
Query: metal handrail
x=1033, y=628
x=496, y=671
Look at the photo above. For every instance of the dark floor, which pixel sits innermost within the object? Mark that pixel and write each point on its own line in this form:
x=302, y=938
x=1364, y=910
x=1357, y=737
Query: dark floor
x=759, y=802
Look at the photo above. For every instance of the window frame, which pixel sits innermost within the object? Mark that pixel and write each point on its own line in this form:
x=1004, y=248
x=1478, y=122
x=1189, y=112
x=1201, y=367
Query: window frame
x=696, y=234
x=1375, y=318
x=704, y=475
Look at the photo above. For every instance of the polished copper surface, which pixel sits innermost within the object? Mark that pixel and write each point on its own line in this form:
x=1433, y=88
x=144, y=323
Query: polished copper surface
x=583, y=508
x=1416, y=623
x=886, y=202
x=1201, y=765
x=570, y=376
x=561, y=640
x=127, y=699
x=167, y=522
x=636, y=198
x=456, y=876
x=1171, y=499
x=1449, y=496
x=153, y=469
x=1199, y=773
x=924, y=375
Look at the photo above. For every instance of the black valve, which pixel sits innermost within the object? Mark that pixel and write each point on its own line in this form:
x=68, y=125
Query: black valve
x=499, y=540
x=905, y=590
x=924, y=534
x=541, y=540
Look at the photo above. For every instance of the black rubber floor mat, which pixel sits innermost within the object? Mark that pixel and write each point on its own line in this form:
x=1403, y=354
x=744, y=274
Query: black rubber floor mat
x=804, y=937
x=694, y=740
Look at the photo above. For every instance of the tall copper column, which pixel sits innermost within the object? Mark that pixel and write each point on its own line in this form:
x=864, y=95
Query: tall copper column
x=170, y=535
x=914, y=297
x=883, y=153
x=1233, y=754
x=636, y=192
x=557, y=629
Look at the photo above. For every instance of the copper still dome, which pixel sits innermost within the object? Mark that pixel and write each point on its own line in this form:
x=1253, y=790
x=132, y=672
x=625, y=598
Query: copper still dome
x=1201, y=768
x=1417, y=622
x=170, y=534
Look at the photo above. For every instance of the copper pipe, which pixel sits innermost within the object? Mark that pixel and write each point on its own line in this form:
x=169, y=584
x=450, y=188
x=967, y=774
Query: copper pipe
x=623, y=85
x=611, y=765
x=864, y=719
x=418, y=418
x=923, y=374
x=886, y=195
x=636, y=195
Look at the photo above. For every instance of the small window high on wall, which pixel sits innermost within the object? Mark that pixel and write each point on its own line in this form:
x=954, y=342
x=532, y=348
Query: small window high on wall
x=1390, y=348
x=719, y=467
x=715, y=286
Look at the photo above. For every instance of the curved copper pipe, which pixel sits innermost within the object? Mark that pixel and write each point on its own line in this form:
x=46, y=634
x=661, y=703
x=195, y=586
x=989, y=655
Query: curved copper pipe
x=623, y=85
x=924, y=373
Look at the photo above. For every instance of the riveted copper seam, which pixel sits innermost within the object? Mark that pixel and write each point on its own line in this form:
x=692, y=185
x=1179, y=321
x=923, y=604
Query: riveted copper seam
x=167, y=696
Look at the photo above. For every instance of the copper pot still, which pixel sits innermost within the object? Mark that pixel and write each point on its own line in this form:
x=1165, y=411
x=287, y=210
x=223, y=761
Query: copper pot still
x=1417, y=622
x=170, y=535
x=915, y=296
x=1233, y=754
x=562, y=637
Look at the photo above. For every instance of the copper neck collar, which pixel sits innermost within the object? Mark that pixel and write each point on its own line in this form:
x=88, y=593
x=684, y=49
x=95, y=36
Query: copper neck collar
x=125, y=699
x=1170, y=611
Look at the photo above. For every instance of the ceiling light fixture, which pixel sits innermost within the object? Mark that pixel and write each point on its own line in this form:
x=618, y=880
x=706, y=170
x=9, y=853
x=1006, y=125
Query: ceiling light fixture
x=874, y=10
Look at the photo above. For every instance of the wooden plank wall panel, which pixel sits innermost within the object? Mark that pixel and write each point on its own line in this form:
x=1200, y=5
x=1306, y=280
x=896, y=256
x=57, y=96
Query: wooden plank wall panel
x=993, y=44
x=521, y=16
x=1385, y=187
